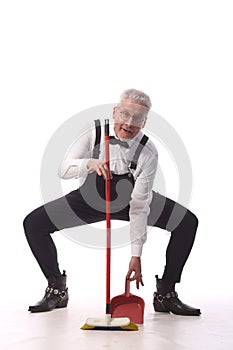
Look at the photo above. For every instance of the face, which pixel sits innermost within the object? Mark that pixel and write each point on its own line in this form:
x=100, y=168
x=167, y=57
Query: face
x=129, y=117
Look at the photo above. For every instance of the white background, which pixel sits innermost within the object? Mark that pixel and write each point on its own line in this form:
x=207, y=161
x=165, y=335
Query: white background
x=61, y=57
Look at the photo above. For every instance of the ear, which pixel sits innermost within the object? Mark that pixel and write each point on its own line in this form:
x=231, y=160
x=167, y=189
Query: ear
x=144, y=123
x=114, y=112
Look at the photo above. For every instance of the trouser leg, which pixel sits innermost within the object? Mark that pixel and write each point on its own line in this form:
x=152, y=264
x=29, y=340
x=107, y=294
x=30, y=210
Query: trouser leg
x=65, y=212
x=182, y=223
x=38, y=227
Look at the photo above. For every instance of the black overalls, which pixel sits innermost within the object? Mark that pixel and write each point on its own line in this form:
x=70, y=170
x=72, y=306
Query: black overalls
x=87, y=205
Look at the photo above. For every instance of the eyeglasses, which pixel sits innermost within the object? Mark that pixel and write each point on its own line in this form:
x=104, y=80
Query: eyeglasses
x=137, y=118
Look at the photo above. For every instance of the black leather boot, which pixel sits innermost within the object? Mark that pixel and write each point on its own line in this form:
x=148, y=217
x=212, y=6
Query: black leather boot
x=166, y=300
x=56, y=296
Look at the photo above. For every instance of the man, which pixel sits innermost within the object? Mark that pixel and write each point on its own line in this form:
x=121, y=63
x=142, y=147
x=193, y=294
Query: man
x=133, y=158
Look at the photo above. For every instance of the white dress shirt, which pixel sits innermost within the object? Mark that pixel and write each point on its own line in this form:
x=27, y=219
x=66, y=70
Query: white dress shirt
x=74, y=165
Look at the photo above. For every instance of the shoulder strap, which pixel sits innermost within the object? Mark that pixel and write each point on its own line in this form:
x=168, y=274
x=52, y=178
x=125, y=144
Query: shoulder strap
x=96, y=150
x=134, y=162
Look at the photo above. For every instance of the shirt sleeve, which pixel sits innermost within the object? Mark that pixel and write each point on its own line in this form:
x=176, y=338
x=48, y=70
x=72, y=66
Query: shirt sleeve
x=140, y=204
x=74, y=164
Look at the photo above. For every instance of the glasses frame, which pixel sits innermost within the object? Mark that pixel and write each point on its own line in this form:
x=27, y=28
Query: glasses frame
x=125, y=116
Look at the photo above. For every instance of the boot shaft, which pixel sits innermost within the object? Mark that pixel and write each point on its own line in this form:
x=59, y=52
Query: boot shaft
x=164, y=287
x=58, y=282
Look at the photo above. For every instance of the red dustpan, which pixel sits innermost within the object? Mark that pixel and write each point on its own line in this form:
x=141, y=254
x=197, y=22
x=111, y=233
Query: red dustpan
x=128, y=305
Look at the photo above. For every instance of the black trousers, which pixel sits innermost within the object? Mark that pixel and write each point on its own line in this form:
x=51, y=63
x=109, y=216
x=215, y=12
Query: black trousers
x=164, y=213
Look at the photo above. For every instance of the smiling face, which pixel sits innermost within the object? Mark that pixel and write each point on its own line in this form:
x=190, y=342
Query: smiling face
x=129, y=117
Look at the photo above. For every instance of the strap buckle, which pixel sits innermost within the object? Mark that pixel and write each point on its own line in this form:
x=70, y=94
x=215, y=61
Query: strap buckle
x=160, y=298
x=131, y=170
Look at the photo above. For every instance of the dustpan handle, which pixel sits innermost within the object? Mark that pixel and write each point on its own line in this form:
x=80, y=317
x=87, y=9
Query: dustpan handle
x=127, y=287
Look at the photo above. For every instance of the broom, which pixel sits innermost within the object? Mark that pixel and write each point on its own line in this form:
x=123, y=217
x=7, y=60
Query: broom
x=108, y=323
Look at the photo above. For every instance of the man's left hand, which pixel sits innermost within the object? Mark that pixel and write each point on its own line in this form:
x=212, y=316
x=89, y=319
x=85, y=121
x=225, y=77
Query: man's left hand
x=135, y=267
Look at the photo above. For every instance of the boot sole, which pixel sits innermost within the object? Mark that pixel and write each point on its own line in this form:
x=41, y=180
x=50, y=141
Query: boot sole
x=178, y=314
x=60, y=305
x=159, y=308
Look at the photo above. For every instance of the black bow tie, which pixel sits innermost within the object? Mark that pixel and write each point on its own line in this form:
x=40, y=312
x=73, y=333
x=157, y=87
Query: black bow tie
x=114, y=141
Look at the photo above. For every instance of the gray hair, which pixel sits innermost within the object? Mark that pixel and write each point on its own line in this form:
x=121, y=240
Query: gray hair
x=137, y=96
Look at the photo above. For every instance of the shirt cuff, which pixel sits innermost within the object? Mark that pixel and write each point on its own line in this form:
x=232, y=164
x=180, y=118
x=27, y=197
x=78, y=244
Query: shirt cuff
x=136, y=249
x=83, y=167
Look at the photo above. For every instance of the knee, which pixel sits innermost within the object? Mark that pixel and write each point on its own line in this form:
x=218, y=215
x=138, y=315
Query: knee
x=38, y=223
x=192, y=219
x=28, y=223
x=31, y=222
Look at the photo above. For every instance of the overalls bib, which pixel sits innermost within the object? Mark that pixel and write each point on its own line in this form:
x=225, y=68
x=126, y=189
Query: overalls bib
x=121, y=186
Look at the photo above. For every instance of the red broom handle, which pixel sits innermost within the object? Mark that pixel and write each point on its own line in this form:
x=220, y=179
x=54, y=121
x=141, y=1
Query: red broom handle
x=108, y=222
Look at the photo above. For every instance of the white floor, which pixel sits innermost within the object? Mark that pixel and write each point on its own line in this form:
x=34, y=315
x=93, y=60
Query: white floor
x=60, y=329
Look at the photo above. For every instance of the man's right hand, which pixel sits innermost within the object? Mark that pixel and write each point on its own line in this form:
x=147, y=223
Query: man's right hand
x=99, y=166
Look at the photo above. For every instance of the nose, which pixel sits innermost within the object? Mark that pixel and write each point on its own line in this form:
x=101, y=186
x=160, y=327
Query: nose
x=130, y=121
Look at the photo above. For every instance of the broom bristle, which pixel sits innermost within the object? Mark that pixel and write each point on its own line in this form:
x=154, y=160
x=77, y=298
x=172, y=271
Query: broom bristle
x=130, y=327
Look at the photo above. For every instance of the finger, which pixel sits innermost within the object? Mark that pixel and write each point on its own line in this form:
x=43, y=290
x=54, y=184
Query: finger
x=104, y=170
x=133, y=278
x=105, y=173
x=90, y=170
x=99, y=172
x=108, y=173
x=128, y=275
x=138, y=283
x=139, y=279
